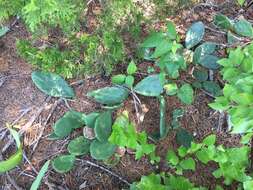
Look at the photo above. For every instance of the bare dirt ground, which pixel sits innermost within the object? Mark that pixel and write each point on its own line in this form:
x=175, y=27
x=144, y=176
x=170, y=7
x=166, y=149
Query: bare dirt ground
x=21, y=103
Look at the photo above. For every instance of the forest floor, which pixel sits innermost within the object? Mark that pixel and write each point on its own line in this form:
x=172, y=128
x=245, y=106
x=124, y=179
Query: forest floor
x=22, y=104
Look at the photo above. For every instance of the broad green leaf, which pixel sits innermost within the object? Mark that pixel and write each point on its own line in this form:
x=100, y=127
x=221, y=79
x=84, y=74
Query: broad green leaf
x=221, y=104
x=248, y=185
x=101, y=150
x=70, y=121
x=109, y=95
x=103, y=126
x=246, y=138
x=209, y=140
x=172, y=157
x=171, y=89
x=179, y=183
x=202, y=155
x=209, y=62
x=200, y=75
x=182, y=151
x=63, y=163
x=163, y=128
x=171, y=30
x=236, y=56
x=132, y=68
x=118, y=79
x=129, y=81
x=163, y=48
x=184, y=138
x=16, y=158
x=185, y=94
x=188, y=164
x=79, y=146
x=42, y=172
x=223, y=21
x=242, y=98
x=153, y=40
x=212, y=87
x=194, y=35
x=4, y=30
x=53, y=137
x=206, y=48
x=90, y=119
x=244, y=28
x=149, y=86
x=52, y=84
x=232, y=38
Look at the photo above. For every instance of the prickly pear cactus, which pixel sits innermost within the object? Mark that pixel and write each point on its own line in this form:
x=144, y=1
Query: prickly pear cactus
x=101, y=150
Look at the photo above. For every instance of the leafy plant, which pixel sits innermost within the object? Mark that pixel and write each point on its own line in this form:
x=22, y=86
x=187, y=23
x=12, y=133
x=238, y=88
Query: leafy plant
x=231, y=166
x=125, y=135
x=237, y=95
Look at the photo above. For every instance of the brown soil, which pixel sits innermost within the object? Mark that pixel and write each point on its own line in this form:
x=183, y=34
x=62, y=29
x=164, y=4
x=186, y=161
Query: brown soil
x=18, y=95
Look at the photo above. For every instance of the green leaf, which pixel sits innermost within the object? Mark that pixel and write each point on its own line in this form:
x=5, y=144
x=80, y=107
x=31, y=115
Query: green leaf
x=3, y=31
x=118, y=79
x=109, y=95
x=209, y=62
x=16, y=158
x=248, y=185
x=53, y=136
x=188, y=164
x=41, y=174
x=70, y=121
x=149, y=86
x=79, y=146
x=163, y=129
x=171, y=30
x=209, y=140
x=153, y=40
x=103, y=126
x=184, y=138
x=221, y=104
x=246, y=138
x=232, y=39
x=182, y=151
x=202, y=155
x=242, y=98
x=52, y=84
x=223, y=22
x=163, y=48
x=129, y=81
x=171, y=89
x=194, y=35
x=90, y=119
x=243, y=28
x=241, y=2
x=200, y=75
x=185, y=94
x=101, y=150
x=172, y=158
x=212, y=87
x=204, y=49
x=63, y=163
x=132, y=68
